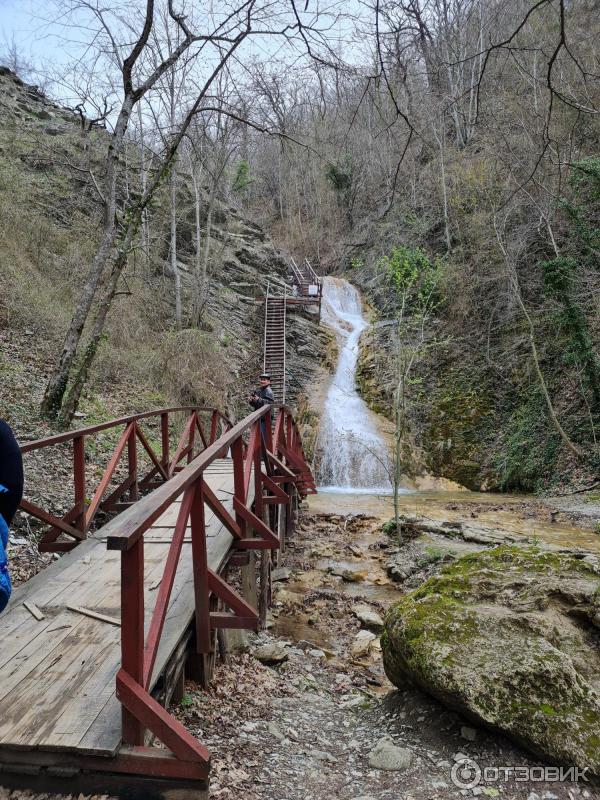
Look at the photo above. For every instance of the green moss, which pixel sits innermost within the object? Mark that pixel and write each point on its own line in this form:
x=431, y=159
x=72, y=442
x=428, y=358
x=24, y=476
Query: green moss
x=440, y=611
x=496, y=664
x=460, y=415
x=529, y=446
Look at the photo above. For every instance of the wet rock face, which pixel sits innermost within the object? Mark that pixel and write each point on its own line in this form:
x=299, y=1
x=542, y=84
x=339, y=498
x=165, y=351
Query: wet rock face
x=510, y=638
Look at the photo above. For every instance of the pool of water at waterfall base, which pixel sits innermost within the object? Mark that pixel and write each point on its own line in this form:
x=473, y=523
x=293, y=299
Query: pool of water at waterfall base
x=506, y=512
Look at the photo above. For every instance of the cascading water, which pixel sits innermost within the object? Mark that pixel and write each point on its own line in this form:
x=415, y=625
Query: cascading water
x=354, y=456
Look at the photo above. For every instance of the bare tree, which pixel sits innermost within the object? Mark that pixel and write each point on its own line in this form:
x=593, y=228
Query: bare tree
x=140, y=74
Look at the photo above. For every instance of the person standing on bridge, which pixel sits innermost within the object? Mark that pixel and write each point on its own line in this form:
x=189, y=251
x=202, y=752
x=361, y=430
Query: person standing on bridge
x=262, y=397
x=11, y=492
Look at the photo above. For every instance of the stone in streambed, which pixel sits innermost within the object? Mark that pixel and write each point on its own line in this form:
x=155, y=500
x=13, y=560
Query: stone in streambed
x=350, y=576
x=274, y=730
x=271, y=653
x=388, y=756
x=468, y=733
x=362, y=643
x=509, y=638
x=368, y=618
x=285, y=596
x=321, y=755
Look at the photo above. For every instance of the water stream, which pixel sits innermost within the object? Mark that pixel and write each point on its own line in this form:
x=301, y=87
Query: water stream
x=354, y=455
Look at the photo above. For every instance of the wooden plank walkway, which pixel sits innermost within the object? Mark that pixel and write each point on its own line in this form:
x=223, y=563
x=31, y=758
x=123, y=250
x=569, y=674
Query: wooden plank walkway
x=57, y=691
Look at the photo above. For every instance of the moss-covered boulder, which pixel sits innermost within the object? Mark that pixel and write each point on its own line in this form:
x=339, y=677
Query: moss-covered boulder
x=510, y=637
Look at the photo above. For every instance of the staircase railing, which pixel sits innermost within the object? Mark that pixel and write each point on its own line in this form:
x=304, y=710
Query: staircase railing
x=307, y=284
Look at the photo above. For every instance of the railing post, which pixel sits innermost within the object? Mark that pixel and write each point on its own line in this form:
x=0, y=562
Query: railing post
x=237, y=454
x=213, y=426
x=134, y=492
x=287, y=525
x=79, y=481
x=132, y=631
x=164, y=435
x=256, y=458
x=200, y=568
x=194, y=422
x=269, y=430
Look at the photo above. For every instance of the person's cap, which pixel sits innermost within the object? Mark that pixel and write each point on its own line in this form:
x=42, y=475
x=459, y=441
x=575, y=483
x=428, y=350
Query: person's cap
x=264, y=375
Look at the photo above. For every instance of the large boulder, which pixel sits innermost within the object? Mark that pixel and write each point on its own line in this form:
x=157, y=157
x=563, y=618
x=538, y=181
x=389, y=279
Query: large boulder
x=510, y=637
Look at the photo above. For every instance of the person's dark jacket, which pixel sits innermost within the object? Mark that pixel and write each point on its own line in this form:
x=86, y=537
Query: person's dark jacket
x=265, y=397
x=11, y=472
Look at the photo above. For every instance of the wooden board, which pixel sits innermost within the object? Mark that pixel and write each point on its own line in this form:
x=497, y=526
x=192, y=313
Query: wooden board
x=58, y=674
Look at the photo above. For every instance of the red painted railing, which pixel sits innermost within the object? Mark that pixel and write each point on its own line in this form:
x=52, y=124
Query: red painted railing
x=266, y=466
x=201, y=428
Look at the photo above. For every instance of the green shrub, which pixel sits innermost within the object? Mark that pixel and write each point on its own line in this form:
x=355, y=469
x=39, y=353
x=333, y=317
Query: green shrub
x=530, y=446
x=414, y=276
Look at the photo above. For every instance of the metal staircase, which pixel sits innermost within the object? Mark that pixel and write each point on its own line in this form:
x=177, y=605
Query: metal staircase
x=274, y=343
x=306, y=283
x=305, y=292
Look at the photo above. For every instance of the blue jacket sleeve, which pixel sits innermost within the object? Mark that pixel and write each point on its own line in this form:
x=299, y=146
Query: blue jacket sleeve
x=5, y=583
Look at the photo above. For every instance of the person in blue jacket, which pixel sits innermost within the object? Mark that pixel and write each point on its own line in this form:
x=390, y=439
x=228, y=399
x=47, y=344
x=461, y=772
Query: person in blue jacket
x=11, y=492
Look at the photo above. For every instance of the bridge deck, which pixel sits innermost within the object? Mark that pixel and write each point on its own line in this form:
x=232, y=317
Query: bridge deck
x=57, y=690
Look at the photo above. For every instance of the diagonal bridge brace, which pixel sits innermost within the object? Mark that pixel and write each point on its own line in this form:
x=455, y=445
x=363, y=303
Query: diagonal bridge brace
x=166, y=728
x=215, y=505
x=278, y=496
x=243, y=616
x=268, y=541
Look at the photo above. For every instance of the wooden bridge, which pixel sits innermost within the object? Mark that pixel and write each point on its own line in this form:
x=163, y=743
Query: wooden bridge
x=96, y=645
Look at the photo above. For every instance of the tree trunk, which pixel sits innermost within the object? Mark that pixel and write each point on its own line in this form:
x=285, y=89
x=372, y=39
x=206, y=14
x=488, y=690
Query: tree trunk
x=398, y=457
x=129, y=225
x=575, y=449
x=173, y=250
x=441, y=143
x=200, y=272
x=209, y=214
x=73, y=395
x=57, y=383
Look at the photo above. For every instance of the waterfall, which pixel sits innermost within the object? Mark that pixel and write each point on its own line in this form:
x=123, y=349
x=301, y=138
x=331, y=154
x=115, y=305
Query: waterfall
x=353, y=454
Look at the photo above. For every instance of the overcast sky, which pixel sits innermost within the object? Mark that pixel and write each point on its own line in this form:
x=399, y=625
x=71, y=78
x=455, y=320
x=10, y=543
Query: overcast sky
x=47, y=45
x=23, y=21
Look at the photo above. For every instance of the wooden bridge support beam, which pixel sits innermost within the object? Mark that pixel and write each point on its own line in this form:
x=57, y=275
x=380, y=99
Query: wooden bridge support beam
x=132, y=631
x=85, y=777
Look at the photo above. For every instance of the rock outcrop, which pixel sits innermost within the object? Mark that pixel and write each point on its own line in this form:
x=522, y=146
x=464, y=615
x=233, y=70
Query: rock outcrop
x=510, y=638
